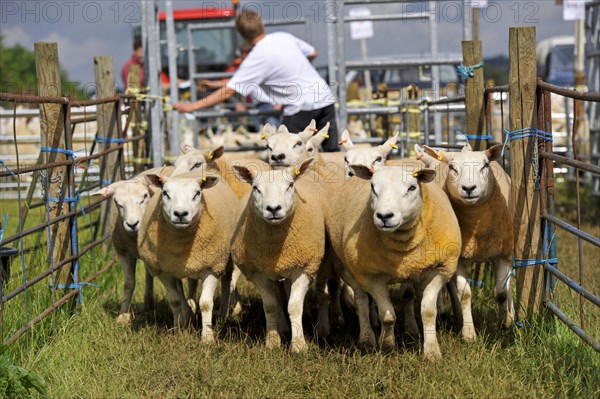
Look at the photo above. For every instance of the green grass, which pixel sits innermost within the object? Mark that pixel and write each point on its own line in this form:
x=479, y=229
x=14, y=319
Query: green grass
x=89, y=356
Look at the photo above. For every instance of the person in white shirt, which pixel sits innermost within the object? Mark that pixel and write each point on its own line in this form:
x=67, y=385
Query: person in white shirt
x=278, y=71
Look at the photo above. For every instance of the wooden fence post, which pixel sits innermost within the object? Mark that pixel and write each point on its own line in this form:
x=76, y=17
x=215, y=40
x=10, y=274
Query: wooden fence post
x=525, y=197
x=106, y=115
x=472, y=55
x=53, y=136
x=135, y=116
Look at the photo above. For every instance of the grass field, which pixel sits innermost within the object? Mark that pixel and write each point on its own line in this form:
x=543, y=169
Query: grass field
x=89, y=356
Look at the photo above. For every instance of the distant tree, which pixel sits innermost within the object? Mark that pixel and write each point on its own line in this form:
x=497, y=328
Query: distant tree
x=17, y=73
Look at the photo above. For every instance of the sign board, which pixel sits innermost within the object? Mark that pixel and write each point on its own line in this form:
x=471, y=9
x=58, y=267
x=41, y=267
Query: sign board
x=480, y=4
x=573, y=10
x=361, y=29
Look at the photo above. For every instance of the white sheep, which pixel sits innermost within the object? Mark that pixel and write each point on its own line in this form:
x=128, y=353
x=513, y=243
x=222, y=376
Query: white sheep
x=396, y=229
x=479, y=191
x=366, y=156
x=186, y=232
x=130, y=197
x=280, y=234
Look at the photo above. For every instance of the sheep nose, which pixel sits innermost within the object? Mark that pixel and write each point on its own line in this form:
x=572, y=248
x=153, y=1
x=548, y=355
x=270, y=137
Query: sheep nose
x=278, y=158
x=384, y=216
x=132, y=226
x=181, y=215
x=469, y=189
x=273, y=210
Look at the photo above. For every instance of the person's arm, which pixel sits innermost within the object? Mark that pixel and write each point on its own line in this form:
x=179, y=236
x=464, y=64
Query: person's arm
x=217, y=97
x=314, y=55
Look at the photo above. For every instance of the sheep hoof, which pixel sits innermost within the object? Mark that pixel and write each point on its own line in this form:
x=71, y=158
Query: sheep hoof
x=208, y=339
x=237, y=309
x=298, y=345
x=468, y=333
x=412, y=333
x=367, y=341
x=124, y=318
x=273, y=340
x=323, y=330
x=192, y=305
x=432, y=353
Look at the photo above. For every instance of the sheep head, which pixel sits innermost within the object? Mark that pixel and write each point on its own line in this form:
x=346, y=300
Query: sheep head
x=396, y=198
x=368, y=157
x=193, y=160
x=273, y=190
x=181, y=197
x=285, y=148
x=131, y=199
x=469, y=180
x=313, y=144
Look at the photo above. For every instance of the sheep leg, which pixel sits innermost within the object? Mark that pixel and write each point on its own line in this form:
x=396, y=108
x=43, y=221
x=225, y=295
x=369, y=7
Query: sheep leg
x=431, y=286
x=179, y=306
x=128, y=265
x=298, y=291
x=366, y=337
x=380, y=292
x=323, y=300
x=334, y=285
x=209, y=285
x=271, y=305
x=225, y=296
x=191, y=296
x=464, y=295
x=503, y=292
x=411, y=329
x=234, y=293
x=149, y=292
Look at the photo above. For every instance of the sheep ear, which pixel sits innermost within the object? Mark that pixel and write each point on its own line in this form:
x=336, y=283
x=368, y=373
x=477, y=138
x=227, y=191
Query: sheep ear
x=439, y=155
x=104, y=192
x=156, y=180
x=494, y=153
x=215, y=154
x=362, y=171
x=282, y=129
x=466, y=148
x=346, y=142
x=309, y=131
x=185, y=148
x=244, y=173
x=388, y=146
x=208, y=182
x=267, y=131
x=424, y=175
x=305, y=167
x=321, y=135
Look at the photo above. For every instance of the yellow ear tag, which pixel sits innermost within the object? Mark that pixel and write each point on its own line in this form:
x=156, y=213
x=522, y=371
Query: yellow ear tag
x=210, y=155
x=264, y=136
x=416, y=173
x=440, y=155
x=394, y=146
x=326, y=136
x=296, y=171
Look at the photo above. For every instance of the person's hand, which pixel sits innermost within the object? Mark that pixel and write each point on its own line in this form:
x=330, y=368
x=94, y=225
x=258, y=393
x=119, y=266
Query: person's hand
x=211, y=84
x=184, y=107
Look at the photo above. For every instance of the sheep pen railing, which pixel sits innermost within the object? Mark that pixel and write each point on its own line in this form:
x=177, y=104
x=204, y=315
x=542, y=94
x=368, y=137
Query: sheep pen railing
x=72, y=226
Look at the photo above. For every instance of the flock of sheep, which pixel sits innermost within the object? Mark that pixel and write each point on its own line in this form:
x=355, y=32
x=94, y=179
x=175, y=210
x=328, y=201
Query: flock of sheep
x=347, y=223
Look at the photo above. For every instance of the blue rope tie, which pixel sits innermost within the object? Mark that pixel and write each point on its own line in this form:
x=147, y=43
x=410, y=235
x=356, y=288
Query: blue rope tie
x=478, y=283
x=69, y=153
x=518, y=263
x=467, y=72
x=7, y=168
x=100, y=139
x=106, y=182
x=526, y=132
x=3, y=229
x=476, y=136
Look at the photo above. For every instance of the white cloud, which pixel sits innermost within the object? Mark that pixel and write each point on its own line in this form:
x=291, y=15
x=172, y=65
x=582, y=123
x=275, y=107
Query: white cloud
x=16, y=34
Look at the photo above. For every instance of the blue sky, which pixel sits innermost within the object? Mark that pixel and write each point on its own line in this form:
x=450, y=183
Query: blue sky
x=87, y=28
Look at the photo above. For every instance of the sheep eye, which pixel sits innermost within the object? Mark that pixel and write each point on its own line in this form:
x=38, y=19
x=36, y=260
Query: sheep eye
x=256, y=190
x=310, y=149
x=268, y=147
x=118, y=205
x=166, y=195
x=196, y=165
x=412, y=188
x=453, y=168
x=378, y=159
x=197, y=194
x=299, y=143
x=146, y=196
x=485, y=165
x=373, y=190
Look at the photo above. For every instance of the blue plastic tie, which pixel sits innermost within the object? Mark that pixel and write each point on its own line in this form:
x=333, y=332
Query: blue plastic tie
x=518, y=263
x=70, y=153
x=467, y=72
x=100, y=139
x=476, y=136
x=3, y=229
x=7, y=168
x=526, y=132
x=106, y=182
